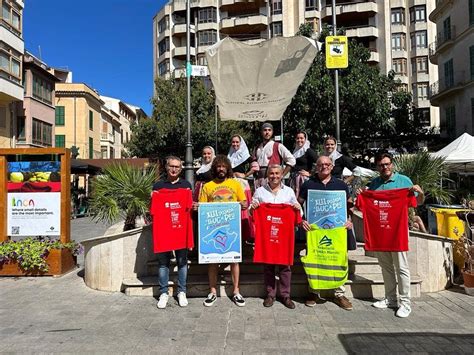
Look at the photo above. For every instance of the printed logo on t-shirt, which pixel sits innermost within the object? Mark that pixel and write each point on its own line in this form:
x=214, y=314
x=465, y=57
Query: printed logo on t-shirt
x=276, y=220
x=172, y=205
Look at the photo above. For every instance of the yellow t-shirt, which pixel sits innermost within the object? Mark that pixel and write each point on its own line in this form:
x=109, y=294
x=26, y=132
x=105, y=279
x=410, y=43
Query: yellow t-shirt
x=229, y=190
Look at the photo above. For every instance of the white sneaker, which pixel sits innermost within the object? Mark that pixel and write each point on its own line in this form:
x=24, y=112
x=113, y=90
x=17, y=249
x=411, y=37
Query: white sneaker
x=383, y=304
x=182, y=300
x=404, y=311
x=163, y=301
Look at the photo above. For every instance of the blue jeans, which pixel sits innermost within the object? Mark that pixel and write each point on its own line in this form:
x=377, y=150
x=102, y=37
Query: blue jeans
x=164, y=269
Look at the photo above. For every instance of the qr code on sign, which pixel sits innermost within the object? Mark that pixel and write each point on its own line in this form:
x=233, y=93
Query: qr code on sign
x=15, y=230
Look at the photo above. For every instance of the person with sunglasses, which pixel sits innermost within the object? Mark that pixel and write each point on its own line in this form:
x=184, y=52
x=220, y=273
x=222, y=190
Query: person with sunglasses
x=394, y=264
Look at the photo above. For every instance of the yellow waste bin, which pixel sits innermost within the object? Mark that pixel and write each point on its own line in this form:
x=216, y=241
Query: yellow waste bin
x=450, y=226
x=448, y=223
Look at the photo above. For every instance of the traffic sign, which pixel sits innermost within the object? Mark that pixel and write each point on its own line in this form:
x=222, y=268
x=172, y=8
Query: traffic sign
x=337, y=51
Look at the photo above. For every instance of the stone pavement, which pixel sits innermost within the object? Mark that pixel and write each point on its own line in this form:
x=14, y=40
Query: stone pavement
x=62, y=315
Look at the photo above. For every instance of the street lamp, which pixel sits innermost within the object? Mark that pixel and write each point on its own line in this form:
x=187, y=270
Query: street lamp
x=188, y=158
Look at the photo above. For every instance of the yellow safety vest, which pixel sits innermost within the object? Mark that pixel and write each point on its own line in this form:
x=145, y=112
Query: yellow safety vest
x=326, y=261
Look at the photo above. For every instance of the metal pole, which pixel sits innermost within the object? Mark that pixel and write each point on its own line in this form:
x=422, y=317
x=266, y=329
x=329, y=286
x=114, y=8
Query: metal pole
x=336, y=81
x=215, y=116
x=188, y=159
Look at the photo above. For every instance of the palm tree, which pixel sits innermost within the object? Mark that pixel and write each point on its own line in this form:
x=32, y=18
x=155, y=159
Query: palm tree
x=426, y=171
x=123, y=191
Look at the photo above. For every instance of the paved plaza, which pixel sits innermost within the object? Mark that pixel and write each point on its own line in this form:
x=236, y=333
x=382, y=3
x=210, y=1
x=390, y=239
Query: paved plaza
x=62, y=315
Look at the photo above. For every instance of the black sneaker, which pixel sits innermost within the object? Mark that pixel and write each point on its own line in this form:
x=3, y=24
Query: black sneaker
x=238, y=300
x=210, y=300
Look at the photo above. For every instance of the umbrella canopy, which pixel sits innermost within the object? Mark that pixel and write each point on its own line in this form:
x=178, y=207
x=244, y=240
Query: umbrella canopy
x=459, y=154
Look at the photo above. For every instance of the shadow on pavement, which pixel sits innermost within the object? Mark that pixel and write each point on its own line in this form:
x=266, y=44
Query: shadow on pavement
x=430, y=343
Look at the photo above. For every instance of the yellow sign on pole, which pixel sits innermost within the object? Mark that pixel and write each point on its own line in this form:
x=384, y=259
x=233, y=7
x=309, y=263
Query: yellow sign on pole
x=337, y=51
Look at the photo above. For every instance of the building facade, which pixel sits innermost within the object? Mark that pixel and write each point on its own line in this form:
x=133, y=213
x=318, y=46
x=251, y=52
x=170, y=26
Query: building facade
x=453, y=52
x=397, y=33
x=78, y=119
x=11, y=75
x=36, y=113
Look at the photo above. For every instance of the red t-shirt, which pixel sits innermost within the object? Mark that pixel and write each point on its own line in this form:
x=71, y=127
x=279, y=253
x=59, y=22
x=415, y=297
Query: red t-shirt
x=172, y=225
x=275, y=233
x=386, y=218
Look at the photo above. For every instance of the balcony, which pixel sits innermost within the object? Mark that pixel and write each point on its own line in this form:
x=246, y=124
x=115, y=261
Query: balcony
x=444, y=40
x=180, y=29
x=447, y=87
x=249, y=24
x=368, y=7
x=107, y=137
x=181, y=51
x=363, y=31
x=374, y=56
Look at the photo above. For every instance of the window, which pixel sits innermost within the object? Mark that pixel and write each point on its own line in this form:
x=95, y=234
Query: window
x=276, y=7
x=91, y=120
x=164, y=46
x=3, y=117
x=201, y=59
x=450, y=113
x=103, y=152
x=163, y=24
x=419, y=40
x=425, y=119
x=398, y=42
x=447, y=29
x=448, y=74
x=91, y=148
x=472, y=114
x=418, y=14
x=419, y=65
x=60, y=141
x=471, y=58
x=12, y=16
x=42, y=133
x=311, y=5
x=206, y=15
x=399, y=66
x=206, y=38
x=20, y=130
x=471, y=12
x=10, y=62
x=60, y=116
x=398, y=16
x=277, y=29
x=420, y=91
x=42, y=89
x=163, y=67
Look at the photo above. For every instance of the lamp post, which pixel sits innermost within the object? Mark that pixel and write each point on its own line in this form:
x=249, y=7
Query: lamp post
x=336, y=81
x=188, y=158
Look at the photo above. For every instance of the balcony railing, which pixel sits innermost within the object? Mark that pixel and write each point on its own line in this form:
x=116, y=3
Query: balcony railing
x=447, y=35
x=107, y=137
x=458, y=79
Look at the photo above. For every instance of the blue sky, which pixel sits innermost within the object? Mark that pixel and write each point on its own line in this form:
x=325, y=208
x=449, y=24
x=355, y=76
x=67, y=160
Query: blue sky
x=108, y=44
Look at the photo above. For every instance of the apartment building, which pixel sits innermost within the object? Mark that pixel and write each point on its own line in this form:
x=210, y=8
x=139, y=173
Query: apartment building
x=127, y=116
x=78, y=118
x=396, y=32
x=453, y=52
x=36, y=113
x=11, y=76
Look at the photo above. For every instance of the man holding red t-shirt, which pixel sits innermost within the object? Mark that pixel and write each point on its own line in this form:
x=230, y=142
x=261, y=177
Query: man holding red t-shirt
x=394, y=264
x=173, y=181
x=277, y=193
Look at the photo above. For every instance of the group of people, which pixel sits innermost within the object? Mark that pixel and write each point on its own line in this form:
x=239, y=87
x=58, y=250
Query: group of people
x=223, y=179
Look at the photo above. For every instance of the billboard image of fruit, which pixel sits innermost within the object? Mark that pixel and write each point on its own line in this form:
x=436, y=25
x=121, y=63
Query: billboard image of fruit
x=34, y=176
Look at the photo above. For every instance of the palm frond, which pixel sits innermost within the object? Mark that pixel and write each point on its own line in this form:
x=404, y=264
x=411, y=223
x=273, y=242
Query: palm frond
x=121, y=191
x=426, y=171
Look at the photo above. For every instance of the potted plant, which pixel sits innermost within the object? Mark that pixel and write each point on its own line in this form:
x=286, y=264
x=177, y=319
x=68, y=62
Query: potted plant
x=37, y=256
x=468, y=271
